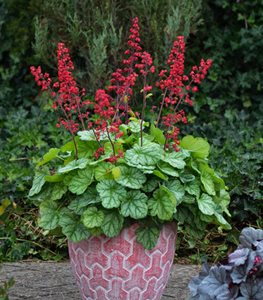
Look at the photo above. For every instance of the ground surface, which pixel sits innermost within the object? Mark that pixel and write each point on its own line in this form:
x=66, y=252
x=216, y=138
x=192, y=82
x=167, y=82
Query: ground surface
x=54, y=281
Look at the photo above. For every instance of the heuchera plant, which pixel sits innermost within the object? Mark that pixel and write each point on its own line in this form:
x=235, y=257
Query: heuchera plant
x=241, y=278
x=120, y=169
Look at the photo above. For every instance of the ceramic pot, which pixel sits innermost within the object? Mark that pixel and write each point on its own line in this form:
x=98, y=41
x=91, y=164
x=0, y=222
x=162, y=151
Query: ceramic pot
x=119, y=268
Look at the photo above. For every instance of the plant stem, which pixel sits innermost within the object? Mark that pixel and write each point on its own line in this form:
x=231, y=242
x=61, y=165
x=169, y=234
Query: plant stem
x=161, y=108
x=143, y=108
x=72, y=135
x=75, y=146
x=112, y=145
x=98, y=141
x=81, y=119
x=170, y=127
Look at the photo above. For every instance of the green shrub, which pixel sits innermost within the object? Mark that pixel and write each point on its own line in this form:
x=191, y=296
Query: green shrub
x=96, y=36
x=237, y=152
x=231, y=34
x=22, y=137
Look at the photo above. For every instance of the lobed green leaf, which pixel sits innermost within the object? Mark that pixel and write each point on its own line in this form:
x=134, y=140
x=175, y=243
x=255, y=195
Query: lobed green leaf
x=92, y=217
x=81, y=181
x=111, y=193
x=112, y=223
x=131, y=177
x=135, y=205
x=163, y=204
x=38, y=182
x=148, y=236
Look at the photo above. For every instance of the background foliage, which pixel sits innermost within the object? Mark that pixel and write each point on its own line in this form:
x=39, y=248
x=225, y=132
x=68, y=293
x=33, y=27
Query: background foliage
x=227, y=112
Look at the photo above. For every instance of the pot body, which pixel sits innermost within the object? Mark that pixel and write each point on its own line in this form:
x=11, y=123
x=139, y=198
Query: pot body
x=119, y=268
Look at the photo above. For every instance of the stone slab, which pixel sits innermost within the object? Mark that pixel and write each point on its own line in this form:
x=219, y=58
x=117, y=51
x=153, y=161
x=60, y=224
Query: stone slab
x=54, y=281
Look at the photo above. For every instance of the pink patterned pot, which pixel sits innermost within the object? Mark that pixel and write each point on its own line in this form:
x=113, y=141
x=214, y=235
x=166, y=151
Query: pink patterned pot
x=121, y=269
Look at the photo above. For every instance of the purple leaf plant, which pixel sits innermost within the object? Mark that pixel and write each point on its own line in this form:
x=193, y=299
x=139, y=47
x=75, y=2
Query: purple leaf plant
x=240, y=279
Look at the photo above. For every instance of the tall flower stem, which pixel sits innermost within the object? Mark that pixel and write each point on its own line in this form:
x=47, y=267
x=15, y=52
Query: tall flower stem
x=161, y=108
x=75, y=146
x=71, y=133
x=97, y=139
x=143, y=108
x=112, y=145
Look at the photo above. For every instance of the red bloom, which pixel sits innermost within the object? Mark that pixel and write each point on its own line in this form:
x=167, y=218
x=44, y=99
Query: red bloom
x=106, y=113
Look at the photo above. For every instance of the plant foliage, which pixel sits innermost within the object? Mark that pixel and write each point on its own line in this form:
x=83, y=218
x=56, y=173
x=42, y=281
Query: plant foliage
x=240, y=278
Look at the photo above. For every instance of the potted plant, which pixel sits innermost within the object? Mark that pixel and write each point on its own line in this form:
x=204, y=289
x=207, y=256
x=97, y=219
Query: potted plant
x=240, y=278
x=121, y=186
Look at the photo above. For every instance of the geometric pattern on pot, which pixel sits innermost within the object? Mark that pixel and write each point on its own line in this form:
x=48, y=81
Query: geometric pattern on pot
x=121, y=269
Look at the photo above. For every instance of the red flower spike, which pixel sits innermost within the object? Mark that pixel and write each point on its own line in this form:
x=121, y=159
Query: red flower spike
x=108, y=112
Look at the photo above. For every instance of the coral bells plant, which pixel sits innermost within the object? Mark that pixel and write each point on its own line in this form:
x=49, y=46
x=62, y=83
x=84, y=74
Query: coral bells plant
x=121, y=168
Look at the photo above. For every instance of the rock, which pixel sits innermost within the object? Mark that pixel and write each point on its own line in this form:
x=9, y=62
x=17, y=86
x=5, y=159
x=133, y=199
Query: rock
x=54, y=281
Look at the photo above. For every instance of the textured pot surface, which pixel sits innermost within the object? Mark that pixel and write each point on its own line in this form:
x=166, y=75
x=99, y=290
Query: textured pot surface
x=121, y=269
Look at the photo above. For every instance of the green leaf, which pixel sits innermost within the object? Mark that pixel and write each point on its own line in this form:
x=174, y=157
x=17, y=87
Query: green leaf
x=194, y=165
x=103, y=171
x=150, y=185
x=184, y=215
x=167, y=169
x=81, y=181
x=186, y=177
x=147, y=236
x=86, y=149
x=157, y=134
x=49, y=215
x=208, y=183
x=79, y=204
x=160, y=174
x=51, y=154
x=116, y=172
x=111, y=193
x=112, y=224
x=223, y=200
x=100, y=160
x=135, y=205
x=188, y=199
x=73, y=165
x=131, y=177
x=175, y=159
x=206, y=205
x=38, y=182
x=222, y=221
x=134, y=126
x=176, y=188
x=88, y=135
x=193, y=188
x=68, y=147
x=197, y=146
x=163, y=204
x=145, y=156
x=58, y=190
x=92, y=217
x=54, y=178
x=72, y=227
x=96, y=231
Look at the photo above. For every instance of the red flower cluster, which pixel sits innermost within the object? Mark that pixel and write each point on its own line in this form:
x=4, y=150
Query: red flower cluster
x=123, y=80
x=41, y=79
x=176, y=87
x=106, y=113
x=65, y=92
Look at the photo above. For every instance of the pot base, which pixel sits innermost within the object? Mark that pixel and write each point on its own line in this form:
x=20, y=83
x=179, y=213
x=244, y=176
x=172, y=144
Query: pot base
x=121, y=269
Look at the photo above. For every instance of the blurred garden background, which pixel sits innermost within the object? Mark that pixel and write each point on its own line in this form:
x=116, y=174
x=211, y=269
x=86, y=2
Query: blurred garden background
x=227, y=111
